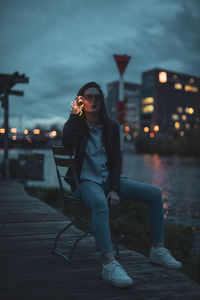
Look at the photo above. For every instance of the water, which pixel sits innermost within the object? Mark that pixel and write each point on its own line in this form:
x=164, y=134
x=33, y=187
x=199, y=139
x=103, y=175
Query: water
x=178, y=178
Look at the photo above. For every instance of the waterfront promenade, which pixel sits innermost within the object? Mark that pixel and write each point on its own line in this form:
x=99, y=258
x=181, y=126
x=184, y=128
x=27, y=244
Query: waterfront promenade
x=29, y=270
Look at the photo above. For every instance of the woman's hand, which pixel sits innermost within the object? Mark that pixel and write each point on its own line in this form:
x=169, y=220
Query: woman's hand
x=77, y=107
x=113, y=197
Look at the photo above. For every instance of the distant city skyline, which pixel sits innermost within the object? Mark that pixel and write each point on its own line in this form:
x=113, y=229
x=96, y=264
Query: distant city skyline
x=62, y=45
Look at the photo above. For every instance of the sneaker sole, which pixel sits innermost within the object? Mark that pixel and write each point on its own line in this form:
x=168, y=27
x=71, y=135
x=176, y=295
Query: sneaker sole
x=168, y=267
x=121, y=285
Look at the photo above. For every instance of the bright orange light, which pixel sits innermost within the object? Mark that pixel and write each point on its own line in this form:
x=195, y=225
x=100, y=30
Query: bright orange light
x=146, y=129
x=2, y=130
x=156, y=128
x=14, y=137
x=162, y=77
x=26, y=131
x=13, y=130
x=152, y=135
x=177, y=125
x=184, y=117
x=54, y=133
x=190, y=88
x=36, y=131
x=148, y=109
x=127, y=128
x=165, y=205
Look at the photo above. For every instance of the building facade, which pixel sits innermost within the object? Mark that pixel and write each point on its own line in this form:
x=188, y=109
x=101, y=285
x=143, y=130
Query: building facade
x=169, y=103
x=131, y=106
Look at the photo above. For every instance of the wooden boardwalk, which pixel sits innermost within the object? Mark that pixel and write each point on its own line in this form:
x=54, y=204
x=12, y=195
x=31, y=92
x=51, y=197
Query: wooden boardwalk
x=29, y=270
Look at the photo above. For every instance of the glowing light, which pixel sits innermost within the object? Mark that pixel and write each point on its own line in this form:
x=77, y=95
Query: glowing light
x=175, y=117
x=146, y=129
x=148, y=100
x=179, y=109
x=178, y=86
x=14, y=137
x=148, y=109
x=152, y=135
x=182, y=133
x=2, y=130
x=177, y=125
x=13, y=130
x=190, y=110
x=156, y=128
x=190, y=88
x=162, y=77
x=184, y=117
x=53, y=133
x=26, y=131
x=127, y=128
x=191, y=80
x=165, y=205
x=36, y=131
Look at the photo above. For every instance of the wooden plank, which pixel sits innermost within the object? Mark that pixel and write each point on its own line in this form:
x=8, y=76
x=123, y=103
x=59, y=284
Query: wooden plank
x=30, y=271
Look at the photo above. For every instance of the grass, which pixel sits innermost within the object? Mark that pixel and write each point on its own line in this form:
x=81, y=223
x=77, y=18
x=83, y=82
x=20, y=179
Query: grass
x=131, y=227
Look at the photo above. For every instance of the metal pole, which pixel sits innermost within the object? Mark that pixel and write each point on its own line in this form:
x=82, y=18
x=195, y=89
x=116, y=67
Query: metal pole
x=121, y=112
x=6, y=137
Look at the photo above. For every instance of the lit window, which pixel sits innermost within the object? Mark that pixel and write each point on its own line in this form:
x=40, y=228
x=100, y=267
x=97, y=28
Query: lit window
x=178, y=86
x=148, y=109
x=177, y=125
x=26, y=131
x=175, y=117
x=179, y=109
x=36, y=131
x=187, y=125
x=181, y=133
x=2, y=130
x=191, y=80
x=146, y=129
x=189, y=110
x=190, y=88
x=162, y=77
x=184, y=117
x=156, y=128
x=148, y=100
x=13, y=130
x=14, y=137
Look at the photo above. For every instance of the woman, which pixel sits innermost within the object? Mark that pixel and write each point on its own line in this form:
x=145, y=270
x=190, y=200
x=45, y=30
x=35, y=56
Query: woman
x=96, y=141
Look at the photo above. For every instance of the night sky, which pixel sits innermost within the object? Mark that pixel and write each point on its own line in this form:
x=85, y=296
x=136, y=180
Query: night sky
x=60, y=45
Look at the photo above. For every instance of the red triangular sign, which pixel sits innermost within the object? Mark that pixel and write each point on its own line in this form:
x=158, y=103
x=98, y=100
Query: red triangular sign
x=122, y=62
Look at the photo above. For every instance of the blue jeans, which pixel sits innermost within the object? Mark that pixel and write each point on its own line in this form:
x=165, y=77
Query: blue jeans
x=94, y=196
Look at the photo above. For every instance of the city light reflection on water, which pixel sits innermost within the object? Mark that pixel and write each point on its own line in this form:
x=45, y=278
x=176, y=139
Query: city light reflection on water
x=177, y=177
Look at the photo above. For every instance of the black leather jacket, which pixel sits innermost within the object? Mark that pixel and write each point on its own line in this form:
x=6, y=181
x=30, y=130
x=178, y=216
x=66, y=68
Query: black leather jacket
x=75, y=134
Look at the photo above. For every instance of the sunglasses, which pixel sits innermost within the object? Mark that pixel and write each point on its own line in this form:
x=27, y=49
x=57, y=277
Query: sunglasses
x=90, y=97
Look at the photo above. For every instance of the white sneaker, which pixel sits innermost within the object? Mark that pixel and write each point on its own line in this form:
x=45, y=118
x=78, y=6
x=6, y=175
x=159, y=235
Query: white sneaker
x=162, y=256
x=115, y=274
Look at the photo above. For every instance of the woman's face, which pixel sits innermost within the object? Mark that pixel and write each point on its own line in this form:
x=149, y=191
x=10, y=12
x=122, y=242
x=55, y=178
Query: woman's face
x=92, y=100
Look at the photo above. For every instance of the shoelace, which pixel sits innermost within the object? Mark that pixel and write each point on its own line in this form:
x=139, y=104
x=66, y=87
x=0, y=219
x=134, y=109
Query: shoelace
x=117, y=266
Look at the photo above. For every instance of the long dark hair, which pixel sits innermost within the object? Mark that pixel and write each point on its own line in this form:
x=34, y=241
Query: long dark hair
x=103, y=115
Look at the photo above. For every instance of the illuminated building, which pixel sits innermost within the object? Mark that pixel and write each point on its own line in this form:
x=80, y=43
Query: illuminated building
x=170, y=100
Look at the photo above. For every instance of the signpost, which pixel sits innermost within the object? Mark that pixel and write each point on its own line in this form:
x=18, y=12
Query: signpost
x=122, y=62
x=7, y=81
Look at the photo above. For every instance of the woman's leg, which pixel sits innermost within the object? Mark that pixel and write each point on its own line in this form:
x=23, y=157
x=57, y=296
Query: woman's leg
x=152, y=195
x=93, y=195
